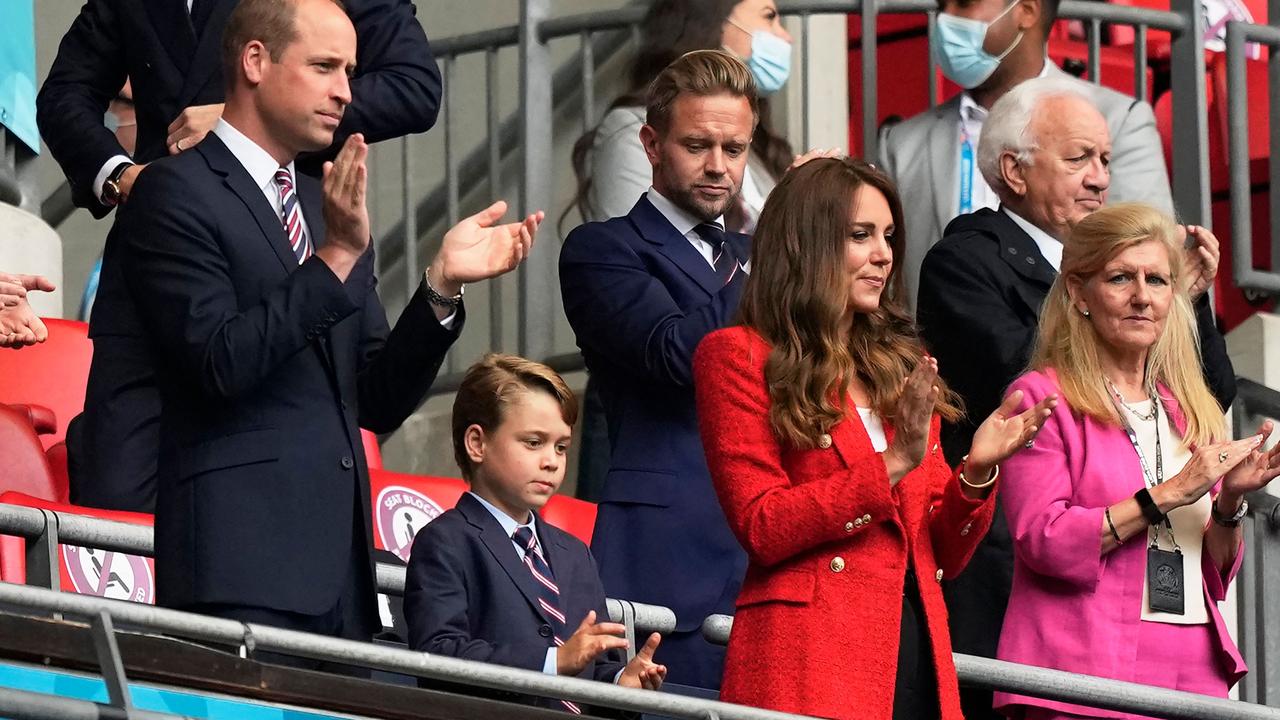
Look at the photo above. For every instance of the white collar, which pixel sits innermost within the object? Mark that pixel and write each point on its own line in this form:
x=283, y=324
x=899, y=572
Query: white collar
x=507, y=522
x=258, y=162
x=683, y=221
x=1050, y=247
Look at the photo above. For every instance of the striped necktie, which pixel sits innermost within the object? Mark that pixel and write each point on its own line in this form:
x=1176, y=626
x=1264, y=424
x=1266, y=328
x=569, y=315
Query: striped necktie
x=291, y=216
x=548, y=591
x=722, y=258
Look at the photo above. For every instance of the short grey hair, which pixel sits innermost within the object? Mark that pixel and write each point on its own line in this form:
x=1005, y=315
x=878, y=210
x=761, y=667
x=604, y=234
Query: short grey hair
x=1007, y=128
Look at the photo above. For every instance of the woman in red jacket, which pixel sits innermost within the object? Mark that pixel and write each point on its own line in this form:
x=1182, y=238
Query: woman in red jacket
x=828, y=467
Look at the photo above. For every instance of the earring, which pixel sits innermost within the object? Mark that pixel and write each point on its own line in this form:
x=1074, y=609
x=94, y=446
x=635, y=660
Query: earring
x=1085, y=312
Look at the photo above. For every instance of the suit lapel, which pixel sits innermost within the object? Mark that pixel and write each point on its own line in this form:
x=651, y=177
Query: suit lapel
x=1021, y=253
x=499, y=545
x=173, y=26
x=206, y=63
x=654, y=227
x=238, y=180
x=943, y=165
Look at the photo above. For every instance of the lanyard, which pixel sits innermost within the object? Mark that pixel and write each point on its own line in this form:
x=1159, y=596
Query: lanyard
x=1150, y=479
x=966, y=172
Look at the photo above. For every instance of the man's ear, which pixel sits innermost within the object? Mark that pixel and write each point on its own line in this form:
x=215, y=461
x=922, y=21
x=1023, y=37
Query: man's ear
x=650, y=139
x=473, y=440
x=1029, y=14
x=1013, y=173
x=253, y=60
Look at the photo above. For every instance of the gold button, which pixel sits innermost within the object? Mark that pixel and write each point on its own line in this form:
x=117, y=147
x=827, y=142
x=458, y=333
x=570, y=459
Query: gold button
x=866, y=519
x=837, y=564
x=935, y=447
x=857, y=522
x=939, y=575
x=965, y=530
x=824, y=441
x=849, y=526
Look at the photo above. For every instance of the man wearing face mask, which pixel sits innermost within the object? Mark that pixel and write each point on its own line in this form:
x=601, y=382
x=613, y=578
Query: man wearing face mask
x=988, y=47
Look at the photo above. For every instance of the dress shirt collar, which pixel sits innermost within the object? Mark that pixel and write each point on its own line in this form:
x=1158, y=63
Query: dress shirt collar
x=507, y=522
x=683, y=221
x=1049, y=247
x=261, y=166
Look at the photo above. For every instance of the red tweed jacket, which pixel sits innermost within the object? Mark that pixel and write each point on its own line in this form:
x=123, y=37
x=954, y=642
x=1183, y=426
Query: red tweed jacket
x=817, y=623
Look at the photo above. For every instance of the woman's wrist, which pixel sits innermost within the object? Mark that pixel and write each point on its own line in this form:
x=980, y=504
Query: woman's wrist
x=1228, y=503
x=1165, y=498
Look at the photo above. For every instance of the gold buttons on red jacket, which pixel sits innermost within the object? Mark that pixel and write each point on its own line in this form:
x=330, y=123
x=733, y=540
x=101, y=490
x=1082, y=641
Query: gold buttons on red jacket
x=824, y=441
x=939, y=575
x=837, y=564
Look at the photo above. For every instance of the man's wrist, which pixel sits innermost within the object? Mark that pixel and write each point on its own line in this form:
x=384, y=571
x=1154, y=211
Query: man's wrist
x=436, y=281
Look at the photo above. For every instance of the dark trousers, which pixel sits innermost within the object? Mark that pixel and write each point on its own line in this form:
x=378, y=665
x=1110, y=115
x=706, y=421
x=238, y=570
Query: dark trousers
x=915, y=694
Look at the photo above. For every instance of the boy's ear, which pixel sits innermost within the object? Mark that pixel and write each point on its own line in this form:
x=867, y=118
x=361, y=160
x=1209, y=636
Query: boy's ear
x=473, y=441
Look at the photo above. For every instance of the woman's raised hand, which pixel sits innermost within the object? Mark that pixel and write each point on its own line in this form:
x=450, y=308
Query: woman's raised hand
x=1207, y=464
x=1257, y=468
x=915, y=410
x=1005, y=432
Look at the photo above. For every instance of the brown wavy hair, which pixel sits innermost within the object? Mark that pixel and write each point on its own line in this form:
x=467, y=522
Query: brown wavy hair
x=797, y=294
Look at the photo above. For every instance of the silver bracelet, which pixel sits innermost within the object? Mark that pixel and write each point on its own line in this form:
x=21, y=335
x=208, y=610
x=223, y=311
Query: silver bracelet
x=436, y=298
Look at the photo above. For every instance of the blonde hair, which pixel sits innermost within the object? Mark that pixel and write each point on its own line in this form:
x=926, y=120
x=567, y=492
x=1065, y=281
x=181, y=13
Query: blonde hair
x=490, y=385
x=701, y=73
x=1068, y=343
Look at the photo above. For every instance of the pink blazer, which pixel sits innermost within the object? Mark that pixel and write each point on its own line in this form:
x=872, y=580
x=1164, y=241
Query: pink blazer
x=1071, y=607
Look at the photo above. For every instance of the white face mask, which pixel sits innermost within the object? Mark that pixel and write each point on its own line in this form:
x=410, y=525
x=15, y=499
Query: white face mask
x=770, y=59
x=959, y=49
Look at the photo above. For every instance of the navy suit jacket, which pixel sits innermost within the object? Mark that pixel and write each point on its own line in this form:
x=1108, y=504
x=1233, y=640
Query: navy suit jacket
x=112, y=446
x=468, y=595
x=640, y=298
x=267, y=370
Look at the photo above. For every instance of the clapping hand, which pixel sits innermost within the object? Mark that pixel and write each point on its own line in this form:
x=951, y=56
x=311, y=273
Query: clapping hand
x=1202, y=260
x=642, y=672
x=477, y=249
x=1258, y=467
x=20, y=326
x=915, y=411
x=1004, y=432
x=587, y=643
x=14, y=287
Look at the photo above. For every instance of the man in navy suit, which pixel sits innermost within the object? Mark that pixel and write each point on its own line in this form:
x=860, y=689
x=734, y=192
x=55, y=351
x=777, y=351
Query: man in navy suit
x=270, y=345
x=490, y=581
x=171, y=51
x=640, y=292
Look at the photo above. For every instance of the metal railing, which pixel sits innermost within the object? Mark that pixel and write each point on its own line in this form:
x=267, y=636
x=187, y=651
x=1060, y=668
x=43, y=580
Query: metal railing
x=418, y=664
x=1258, y=581
x=1243, y=262
x=45, y=530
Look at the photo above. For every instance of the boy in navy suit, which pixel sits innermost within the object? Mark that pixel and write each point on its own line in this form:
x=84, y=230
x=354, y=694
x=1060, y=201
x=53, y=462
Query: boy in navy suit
x=489, y=580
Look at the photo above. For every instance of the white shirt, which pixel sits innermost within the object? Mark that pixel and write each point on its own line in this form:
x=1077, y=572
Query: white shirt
x=1188, y=521
x=972, y=117
x=874, y=427
x=684, y=223
x=1049, y=246
x=260, y=166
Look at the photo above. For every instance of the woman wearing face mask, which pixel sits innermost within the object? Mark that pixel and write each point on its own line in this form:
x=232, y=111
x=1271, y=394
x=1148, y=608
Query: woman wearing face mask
x=1126, y=511
x=612, y=169
x=819, y=415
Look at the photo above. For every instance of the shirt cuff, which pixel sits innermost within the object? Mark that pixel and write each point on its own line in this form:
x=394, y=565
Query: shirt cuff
x=549, y=665
x=101, y=178
x=447, y=324
x=618, y=675
x=746, y=267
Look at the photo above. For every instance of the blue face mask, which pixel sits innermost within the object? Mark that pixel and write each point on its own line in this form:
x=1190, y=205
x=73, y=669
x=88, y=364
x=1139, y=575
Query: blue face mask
x=770, y=61
x=959, y=50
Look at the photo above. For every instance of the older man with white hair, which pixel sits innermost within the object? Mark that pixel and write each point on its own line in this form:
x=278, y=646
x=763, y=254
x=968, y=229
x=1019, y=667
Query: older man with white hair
x=1045, y=152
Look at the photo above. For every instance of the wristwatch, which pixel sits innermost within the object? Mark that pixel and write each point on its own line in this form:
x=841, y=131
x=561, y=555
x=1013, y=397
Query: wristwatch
x=1234, y=520
x=111, y=194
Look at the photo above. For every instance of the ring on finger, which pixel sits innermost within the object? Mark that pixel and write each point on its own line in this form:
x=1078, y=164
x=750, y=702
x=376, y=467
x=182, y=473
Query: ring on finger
x=178, y=144
x=1222, y=456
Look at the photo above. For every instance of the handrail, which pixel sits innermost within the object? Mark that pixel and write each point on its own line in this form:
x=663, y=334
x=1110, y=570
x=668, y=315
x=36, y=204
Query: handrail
x=75, y=529
x=1242, y=264
x=1088, y=690
x=363, y=654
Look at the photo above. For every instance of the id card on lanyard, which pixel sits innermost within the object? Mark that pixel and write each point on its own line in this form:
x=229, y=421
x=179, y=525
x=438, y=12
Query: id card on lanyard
x=1165, y=586
x=966, y=173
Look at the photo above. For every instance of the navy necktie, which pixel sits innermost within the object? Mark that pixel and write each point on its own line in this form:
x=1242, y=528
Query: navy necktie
x=200, y=12
x=548, y=591
x=722, y=257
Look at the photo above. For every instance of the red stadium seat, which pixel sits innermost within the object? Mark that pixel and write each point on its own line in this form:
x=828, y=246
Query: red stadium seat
x=53, y=374
x=26, y=467
x=372, y=450
x=85, y=571
x=403, y=504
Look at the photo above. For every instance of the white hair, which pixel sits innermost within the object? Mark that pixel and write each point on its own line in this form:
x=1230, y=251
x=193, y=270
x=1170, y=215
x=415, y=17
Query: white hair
x=1007, y=127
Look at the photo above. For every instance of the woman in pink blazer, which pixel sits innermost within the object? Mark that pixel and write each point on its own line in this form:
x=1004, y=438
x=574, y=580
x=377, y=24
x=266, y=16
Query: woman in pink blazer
x=1133, y=456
